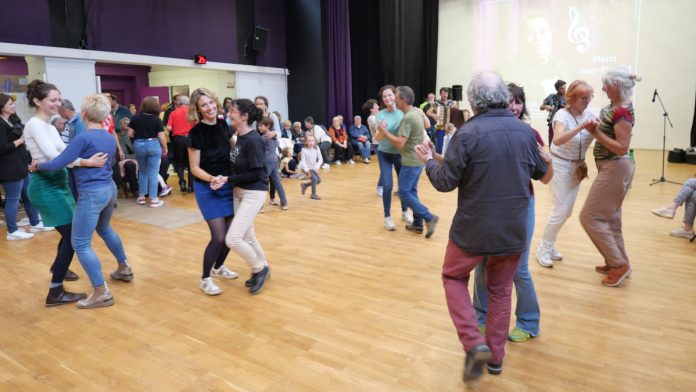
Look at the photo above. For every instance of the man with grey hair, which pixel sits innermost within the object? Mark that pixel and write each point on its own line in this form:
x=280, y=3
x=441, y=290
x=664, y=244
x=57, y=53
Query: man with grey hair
x=74, y=125
x=411, y=133
x=178, y=127
x=490, y=161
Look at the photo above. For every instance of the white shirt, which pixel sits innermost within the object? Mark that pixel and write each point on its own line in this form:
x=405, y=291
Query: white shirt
x=310, y=159
x=43, y=140
x=577, y=146
x=320, y=134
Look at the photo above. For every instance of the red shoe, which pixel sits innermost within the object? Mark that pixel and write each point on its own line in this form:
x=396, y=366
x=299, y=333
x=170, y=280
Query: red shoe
x=602, y=269
x=616, y=275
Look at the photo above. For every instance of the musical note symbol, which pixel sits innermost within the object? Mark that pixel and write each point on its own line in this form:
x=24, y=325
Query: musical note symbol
x=577, y=33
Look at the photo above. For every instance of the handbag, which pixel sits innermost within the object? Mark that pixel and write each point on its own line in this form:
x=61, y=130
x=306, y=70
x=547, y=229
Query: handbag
x=581, y=170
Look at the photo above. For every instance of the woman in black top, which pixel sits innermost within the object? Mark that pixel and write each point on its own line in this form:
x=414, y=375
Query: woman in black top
x=14, y=175
x=250, y=184
x=150, y=145
x=209, y=144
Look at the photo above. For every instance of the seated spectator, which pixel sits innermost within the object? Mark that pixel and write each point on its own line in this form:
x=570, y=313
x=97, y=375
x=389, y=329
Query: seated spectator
x=288, y=164
x=339, y=141
x=285, y=137
x=298, y=138
x=360, y=139
x=686, y=196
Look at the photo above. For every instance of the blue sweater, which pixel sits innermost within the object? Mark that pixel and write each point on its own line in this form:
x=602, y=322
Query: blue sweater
x=84, y=146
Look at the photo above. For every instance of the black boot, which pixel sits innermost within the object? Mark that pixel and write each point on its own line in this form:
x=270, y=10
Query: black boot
x=58, y=296
x=182, y=185
x=258, y=279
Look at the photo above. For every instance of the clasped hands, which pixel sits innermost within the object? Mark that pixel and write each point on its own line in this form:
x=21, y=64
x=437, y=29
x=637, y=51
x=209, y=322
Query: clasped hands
x=217, y=182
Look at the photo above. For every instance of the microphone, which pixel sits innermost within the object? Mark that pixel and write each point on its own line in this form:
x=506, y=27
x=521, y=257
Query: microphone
x=654, y=95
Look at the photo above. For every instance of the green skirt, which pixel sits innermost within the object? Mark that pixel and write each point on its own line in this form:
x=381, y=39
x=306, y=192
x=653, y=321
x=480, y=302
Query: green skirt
x=50, y=194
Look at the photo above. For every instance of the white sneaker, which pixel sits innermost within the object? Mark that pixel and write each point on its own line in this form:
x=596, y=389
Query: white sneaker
x=665, y=212
x=406, y=217
x=19, y=235
x=352, y=162
x=23, y=222
x=680, y=232
x=338, y=163
x=379, y=191
x=389, y=224
x=209, y=287
x=325, y=166
x=165, y=191
x=40, y=227
x=555, y=254
x=366, y=160
x=543, y=257
x=223, y=272
x=154, y=203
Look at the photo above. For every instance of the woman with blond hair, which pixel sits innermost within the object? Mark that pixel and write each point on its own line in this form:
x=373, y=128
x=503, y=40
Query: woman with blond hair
x=97, y=196
x=601, y=215
x=209, y=144
x=570, y=143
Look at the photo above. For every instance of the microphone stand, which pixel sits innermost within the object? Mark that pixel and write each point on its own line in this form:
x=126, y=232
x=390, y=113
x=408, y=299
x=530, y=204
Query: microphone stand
x=665, y=119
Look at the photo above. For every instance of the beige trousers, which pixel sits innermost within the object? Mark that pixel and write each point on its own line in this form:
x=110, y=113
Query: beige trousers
x=601, y=214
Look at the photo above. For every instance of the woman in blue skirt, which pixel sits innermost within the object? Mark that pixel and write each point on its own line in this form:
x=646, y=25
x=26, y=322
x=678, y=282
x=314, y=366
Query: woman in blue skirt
x=209, y=145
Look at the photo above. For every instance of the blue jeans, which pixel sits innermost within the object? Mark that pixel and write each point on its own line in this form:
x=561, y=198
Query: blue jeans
x=362, y=148
x=527, y=309
x=93, y=212
x=386, y=161
x=14, y=191
x=148, y=154
x=408, y=192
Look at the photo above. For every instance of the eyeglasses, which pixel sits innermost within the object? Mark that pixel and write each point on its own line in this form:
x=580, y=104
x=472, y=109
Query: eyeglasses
x=586, y=98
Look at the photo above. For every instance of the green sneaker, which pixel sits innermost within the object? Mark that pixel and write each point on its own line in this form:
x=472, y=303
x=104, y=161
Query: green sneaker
x=518, y=335
x=482, y=329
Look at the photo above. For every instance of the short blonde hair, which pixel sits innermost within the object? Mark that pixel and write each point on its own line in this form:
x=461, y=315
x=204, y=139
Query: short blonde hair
x=287, y=122
x=96, y=108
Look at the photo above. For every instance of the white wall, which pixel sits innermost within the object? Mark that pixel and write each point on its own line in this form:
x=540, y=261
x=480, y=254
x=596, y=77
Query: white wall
x=74, y=78
x=221, y=83
x=665, y=59
x=272, y=86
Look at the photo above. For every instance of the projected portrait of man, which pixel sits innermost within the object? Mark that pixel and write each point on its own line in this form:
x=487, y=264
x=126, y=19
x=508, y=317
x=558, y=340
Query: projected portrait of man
x=539, y=37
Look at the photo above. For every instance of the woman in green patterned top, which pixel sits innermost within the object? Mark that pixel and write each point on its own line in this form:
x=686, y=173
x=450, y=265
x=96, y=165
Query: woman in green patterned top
x=601, y=215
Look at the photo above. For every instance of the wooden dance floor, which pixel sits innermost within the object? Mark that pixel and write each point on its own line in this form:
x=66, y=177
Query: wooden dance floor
x=350, y=306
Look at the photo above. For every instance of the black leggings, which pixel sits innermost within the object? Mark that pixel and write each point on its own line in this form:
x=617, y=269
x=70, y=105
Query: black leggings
x=216, y=251
x=64, y=255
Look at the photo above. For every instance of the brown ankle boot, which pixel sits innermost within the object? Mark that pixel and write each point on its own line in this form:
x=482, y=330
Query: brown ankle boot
x=100, y=297
x=58, y=296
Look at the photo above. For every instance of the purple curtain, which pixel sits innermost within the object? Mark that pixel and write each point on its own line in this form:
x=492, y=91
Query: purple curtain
x=338, y=72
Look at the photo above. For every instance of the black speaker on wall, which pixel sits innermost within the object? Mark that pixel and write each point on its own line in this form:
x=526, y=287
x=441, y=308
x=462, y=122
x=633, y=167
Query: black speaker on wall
x=457, y=92
x=260, y=38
